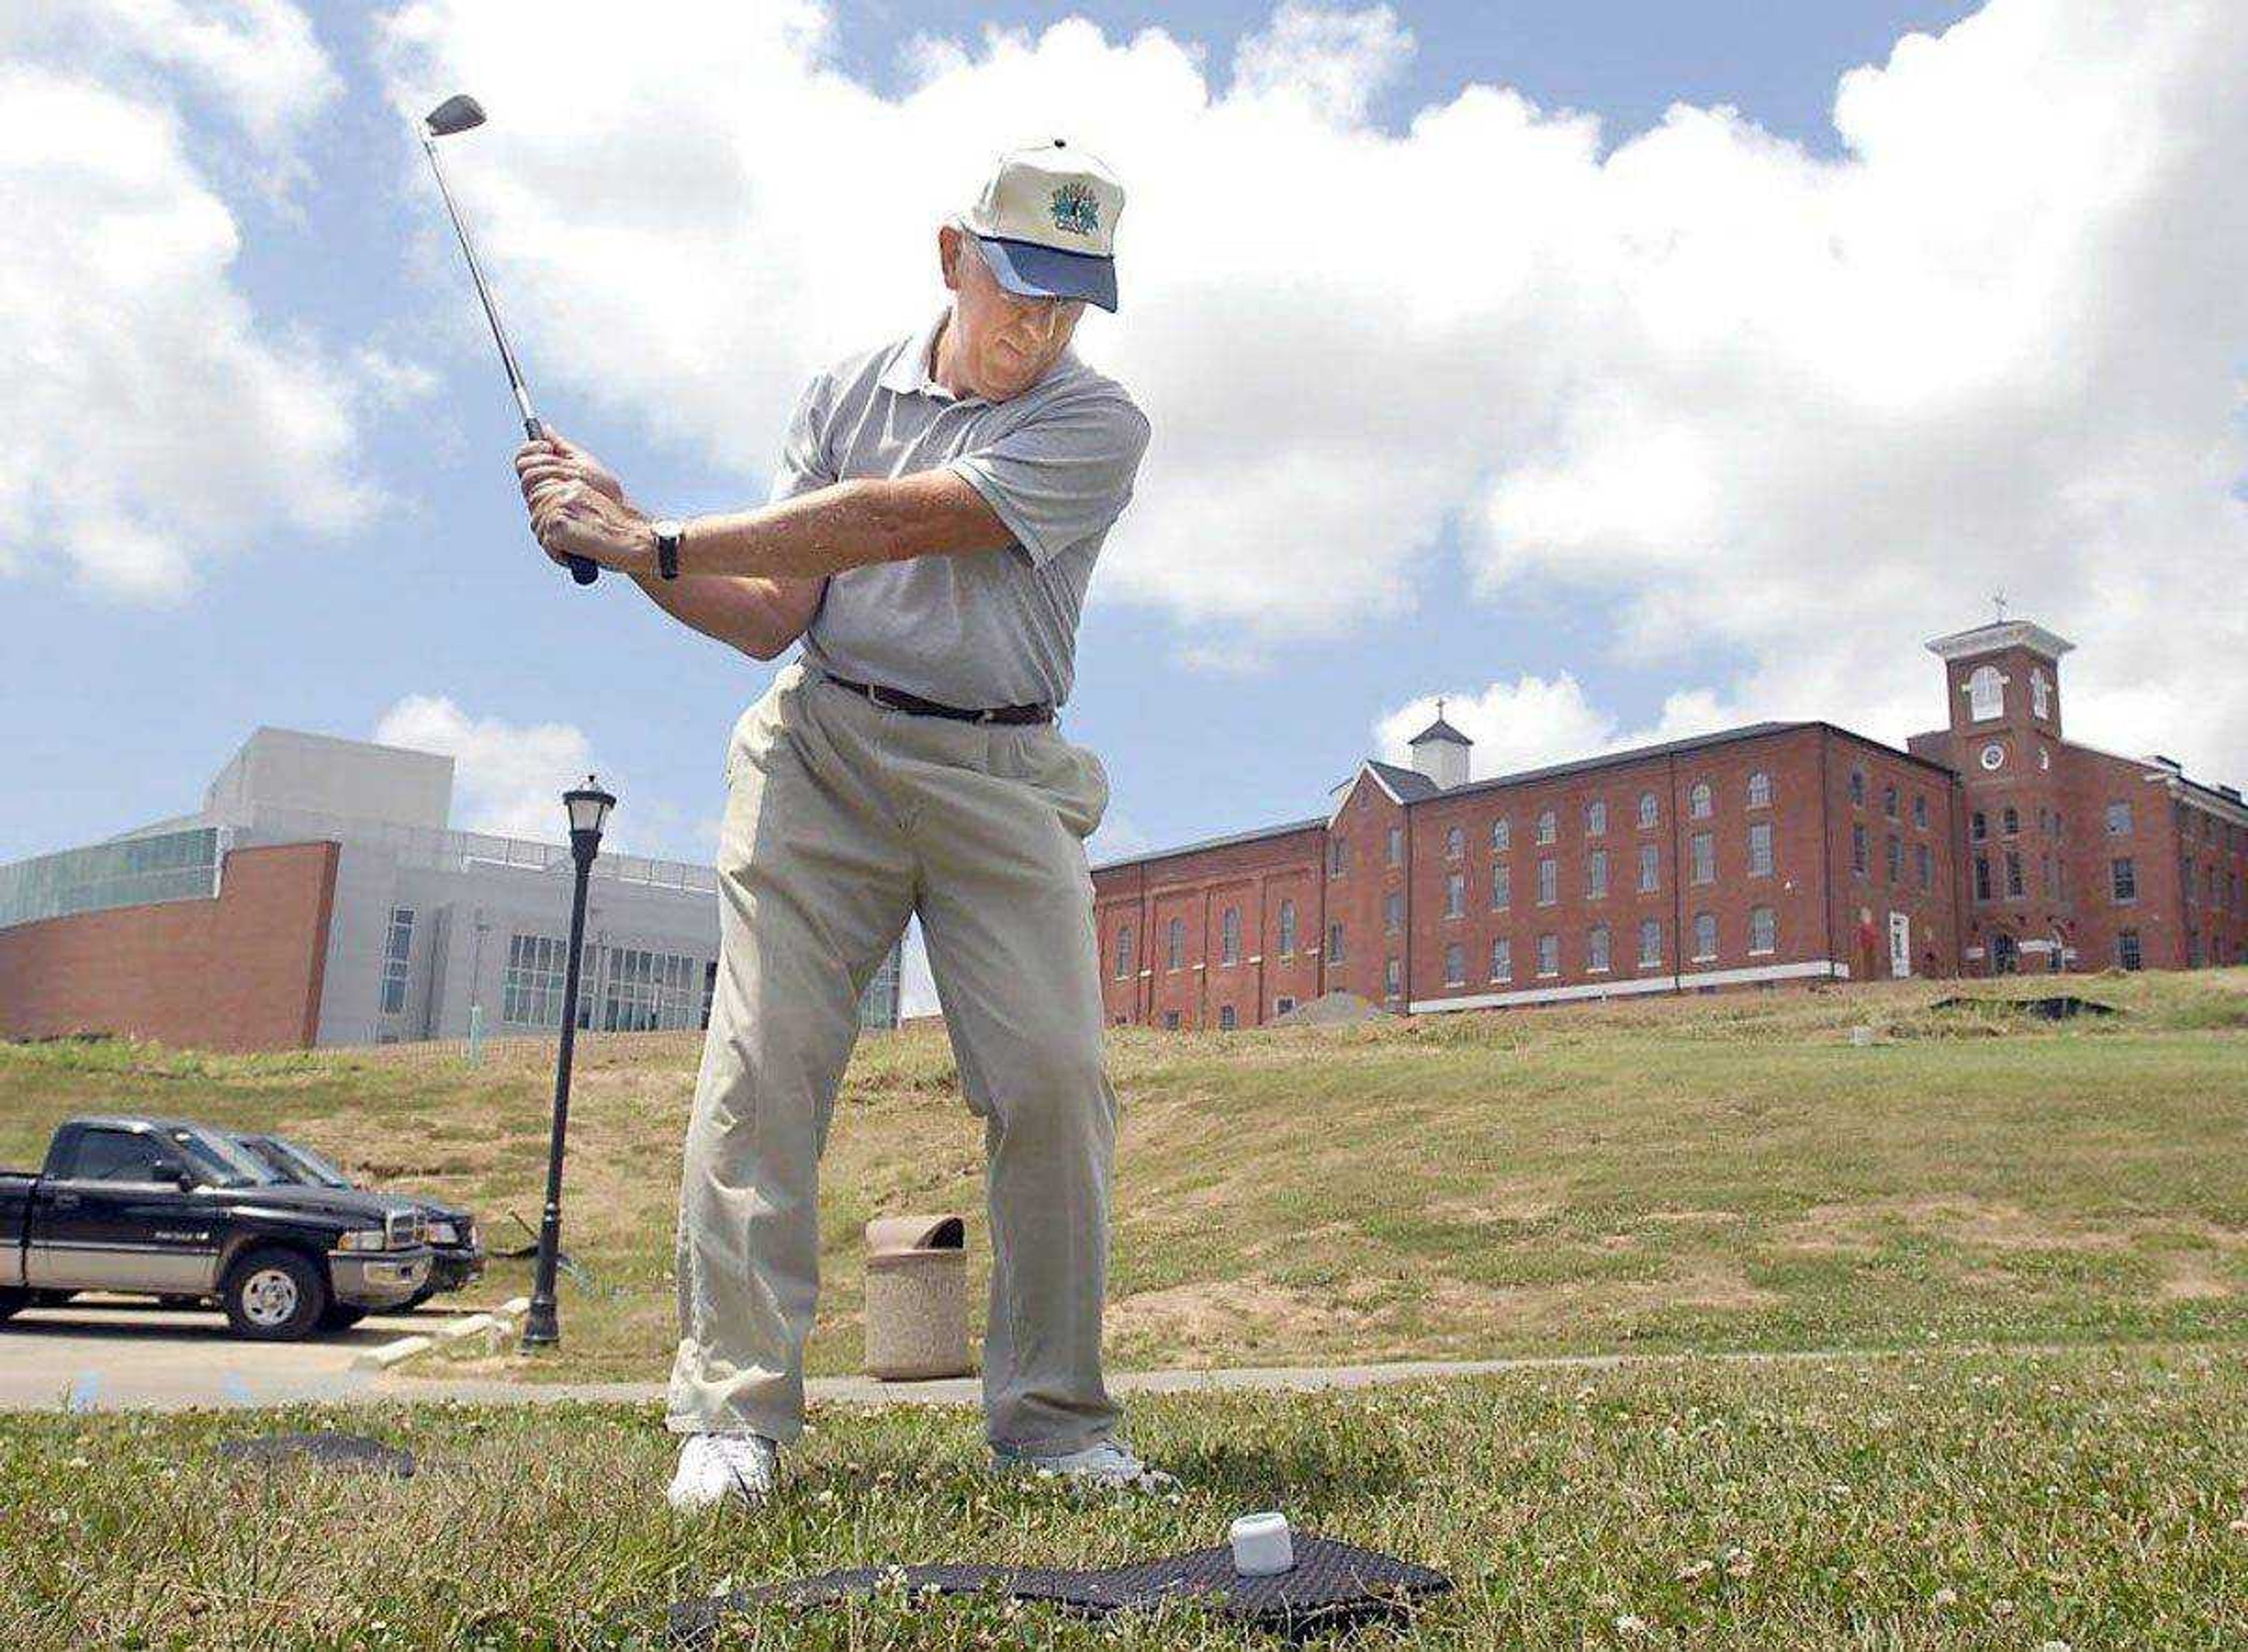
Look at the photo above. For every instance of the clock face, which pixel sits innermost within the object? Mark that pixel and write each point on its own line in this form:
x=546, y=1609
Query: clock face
x=1994, y=756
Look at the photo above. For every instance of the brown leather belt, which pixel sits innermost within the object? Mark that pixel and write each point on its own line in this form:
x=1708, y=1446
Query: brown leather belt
x=913, y=705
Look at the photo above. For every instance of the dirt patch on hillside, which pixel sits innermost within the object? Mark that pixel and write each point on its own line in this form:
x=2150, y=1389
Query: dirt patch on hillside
x=1222, y=1312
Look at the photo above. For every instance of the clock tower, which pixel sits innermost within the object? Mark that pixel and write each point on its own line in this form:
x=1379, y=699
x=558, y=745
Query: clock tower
x=2002, y=684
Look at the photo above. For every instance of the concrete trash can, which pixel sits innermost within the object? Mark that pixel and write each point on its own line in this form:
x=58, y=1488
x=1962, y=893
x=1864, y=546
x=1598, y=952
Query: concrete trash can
x=917, y=1298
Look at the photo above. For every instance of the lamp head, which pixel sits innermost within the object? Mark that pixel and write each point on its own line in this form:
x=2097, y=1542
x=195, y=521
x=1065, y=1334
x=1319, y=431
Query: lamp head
x=459, y=113
x=588, y=808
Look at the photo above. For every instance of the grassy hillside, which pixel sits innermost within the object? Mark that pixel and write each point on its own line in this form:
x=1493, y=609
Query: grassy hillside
x=1731, y=1172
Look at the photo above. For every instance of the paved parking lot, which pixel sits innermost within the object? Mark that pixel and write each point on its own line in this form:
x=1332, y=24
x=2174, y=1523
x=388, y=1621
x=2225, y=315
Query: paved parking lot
x=102, y=1354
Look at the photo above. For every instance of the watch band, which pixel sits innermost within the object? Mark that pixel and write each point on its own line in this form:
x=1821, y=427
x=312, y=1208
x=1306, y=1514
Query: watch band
x=669, y=536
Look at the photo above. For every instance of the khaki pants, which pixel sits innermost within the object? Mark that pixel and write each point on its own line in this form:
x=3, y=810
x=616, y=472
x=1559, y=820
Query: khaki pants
x=842, y=820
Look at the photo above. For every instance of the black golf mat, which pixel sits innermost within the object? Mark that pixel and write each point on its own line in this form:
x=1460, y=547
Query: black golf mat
x=1334, y=1585
x=324, y=1450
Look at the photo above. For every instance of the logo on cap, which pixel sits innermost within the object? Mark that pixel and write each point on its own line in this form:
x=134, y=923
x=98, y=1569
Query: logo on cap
x=1076, y=210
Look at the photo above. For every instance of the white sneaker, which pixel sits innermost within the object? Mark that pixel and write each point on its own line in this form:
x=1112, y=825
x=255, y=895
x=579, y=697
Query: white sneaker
x=714, y=1467
x=1109, y=1466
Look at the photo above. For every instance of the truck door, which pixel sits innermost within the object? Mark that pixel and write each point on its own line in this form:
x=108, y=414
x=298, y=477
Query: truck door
x=113, y=1218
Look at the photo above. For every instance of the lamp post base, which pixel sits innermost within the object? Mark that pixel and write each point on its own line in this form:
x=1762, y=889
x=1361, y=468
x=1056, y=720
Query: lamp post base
x=540, y=1326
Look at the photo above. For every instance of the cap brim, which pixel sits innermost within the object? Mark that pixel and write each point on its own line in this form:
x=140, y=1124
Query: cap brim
x=1030, y=270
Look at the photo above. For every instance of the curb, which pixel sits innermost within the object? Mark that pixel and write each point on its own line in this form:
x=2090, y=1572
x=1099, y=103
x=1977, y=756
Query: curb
x=493, y=1325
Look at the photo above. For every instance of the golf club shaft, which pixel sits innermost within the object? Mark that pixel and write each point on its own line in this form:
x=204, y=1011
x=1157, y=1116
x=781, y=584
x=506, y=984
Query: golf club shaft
x=583, y=572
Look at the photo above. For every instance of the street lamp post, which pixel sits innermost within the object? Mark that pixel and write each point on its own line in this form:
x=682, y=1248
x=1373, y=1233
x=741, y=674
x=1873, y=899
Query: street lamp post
x=588, y=807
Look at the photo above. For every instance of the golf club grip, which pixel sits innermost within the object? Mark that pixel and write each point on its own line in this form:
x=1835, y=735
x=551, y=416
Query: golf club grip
x=583, y=572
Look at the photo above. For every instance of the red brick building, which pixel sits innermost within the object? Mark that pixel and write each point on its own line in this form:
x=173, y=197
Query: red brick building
x=1782, y=851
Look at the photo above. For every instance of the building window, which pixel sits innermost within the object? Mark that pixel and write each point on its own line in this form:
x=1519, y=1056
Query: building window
x=2013, y=876
x=397, y=956
x=1858, y=788
x=1502, y=835
x=1651, y=860
x=709, y=992
x=1287, y=928
x=1858, y=849
x=2127, y=949
x=1925, y=863
x=1456, y=965
x=1549, y=954
x=1703, y=863
x=641, y=991
x=1650, y=811
x=1978, y=827
x=2119, y=819
x=1763, y=931
x=1282, y=1005
x=1920, y=810
x=1894, y=860
x=1229, y=936
x=1982, y=877
x=1548, y=883
x=1175, y=944
x=1596, y=948
x=1760, y=849
x=1705, y=937
x=1889, y=801
x=2011, y=822
x=1124, y=952
x=1501, y=887
x=1596, y=874
x=1456, y=844
x=1501, y=960
x=1699, y=801
x=1170, y=1020
x=1225, y=1017
x=1393, y=913
x=1455, y=895
x=2040, y=693
x=1338, y=858
x=1760, y=790
x=531, y=992
x=1334, y=943
x=1546, y=829
x=1596, y=818
x=1392, y=979
x=1397, y=846
x=1650, y=943
x=2123, y=877
x=1986, y=694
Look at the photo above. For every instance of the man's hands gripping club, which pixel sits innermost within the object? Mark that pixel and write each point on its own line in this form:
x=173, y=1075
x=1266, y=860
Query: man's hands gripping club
x=578, y=507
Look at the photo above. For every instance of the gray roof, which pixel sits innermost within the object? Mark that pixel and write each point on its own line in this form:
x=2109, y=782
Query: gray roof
x=1440, y=729
x=1228, y=842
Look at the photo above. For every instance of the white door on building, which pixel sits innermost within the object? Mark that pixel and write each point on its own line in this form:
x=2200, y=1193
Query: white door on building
x=1899, y=944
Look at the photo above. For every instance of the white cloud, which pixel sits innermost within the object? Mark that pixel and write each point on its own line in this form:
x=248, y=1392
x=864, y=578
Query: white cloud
x=151, y=419
x=507, y=777
x=1787, y=410
x=1534, y=721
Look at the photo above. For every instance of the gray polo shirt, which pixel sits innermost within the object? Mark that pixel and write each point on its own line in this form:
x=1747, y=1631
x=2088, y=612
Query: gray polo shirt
x=1056, y=464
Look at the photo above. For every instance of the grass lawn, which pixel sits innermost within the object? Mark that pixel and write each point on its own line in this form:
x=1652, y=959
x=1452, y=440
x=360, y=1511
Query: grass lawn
x=1962, y=1500
x=1722, y=1173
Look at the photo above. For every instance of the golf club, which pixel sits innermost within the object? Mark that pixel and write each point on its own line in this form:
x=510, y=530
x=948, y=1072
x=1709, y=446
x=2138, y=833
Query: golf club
x=462, y=113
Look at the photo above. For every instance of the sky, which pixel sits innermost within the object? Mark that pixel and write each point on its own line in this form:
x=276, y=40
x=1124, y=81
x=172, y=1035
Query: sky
x=1616, y=368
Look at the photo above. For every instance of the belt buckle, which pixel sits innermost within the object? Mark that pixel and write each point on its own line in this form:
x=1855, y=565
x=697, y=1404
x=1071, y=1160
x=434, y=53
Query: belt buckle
x=987, y=717
x=881, y=696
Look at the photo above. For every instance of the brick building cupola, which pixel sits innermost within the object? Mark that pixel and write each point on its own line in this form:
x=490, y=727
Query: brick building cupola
x=1440, y=752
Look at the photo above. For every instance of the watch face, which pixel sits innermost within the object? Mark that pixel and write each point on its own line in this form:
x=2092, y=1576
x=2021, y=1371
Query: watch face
x=1994, y=756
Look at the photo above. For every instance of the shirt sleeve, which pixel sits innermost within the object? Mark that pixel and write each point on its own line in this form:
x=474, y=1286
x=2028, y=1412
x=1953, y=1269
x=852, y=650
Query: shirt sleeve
x=803, y=462
x=1062, y=474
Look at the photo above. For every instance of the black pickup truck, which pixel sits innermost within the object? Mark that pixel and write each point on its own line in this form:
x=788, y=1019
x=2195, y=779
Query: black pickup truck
x=164, y=1207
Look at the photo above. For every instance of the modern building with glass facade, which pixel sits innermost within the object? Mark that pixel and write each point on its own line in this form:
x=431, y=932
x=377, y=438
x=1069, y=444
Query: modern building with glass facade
x=320, y=896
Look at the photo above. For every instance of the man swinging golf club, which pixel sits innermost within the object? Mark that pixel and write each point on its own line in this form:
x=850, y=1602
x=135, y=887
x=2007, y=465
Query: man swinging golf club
x=939, y=504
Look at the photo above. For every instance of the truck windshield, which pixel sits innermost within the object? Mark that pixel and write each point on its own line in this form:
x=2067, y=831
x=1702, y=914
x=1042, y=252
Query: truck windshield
x=223, y=1163
x=299, y=1163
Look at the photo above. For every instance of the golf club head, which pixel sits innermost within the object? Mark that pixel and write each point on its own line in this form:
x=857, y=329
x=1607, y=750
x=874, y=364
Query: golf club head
x=459, y=113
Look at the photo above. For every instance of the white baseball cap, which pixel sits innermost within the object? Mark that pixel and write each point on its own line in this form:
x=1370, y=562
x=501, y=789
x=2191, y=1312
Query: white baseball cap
x=1046, y=222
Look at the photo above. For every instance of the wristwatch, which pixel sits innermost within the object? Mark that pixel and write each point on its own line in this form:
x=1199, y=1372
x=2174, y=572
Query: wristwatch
x=670, y=534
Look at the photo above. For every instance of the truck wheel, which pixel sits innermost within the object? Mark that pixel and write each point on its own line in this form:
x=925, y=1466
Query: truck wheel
x=10, y=1300
x=340, y=1317
x=275, y=1295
